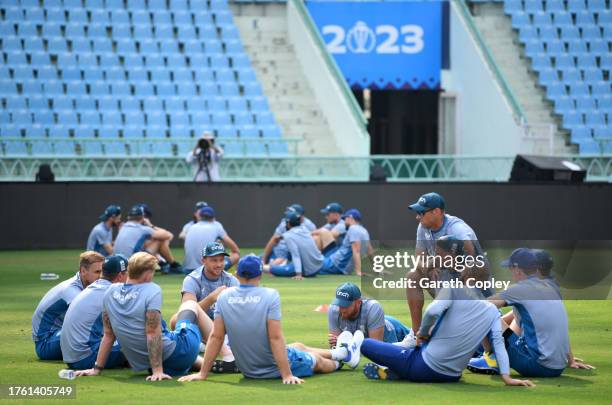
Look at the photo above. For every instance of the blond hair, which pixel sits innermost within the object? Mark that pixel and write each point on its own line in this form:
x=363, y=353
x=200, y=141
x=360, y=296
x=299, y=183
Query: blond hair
x=140, y=263
x=88, y=258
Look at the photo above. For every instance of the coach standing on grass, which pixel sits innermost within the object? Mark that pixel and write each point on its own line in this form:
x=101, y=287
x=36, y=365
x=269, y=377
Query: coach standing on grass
x=435, y=223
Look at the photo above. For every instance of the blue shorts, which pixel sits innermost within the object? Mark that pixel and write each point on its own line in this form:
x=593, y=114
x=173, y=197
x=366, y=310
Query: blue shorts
x=395, y=331
x=408, y=364
x=116, y=359
x=187, y=337
x=329, y=249
x=524, y=361
x=302, y=364
x=328, y=267
x=287, y=270
x=48, y=348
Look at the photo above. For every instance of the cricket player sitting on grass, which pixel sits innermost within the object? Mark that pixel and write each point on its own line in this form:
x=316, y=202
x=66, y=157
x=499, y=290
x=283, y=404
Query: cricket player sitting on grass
x=304, y=259
x=139, y=235
x=250, y=315
x=329, y=237
x=101, y=236
x=48, y=317
x=207, y=230
x=537, y=339
x=453, y=326
x=83, y=329
x=196, y=217
x=435, y=223
x=350, y=312
x=132, y=315
x=276, y=248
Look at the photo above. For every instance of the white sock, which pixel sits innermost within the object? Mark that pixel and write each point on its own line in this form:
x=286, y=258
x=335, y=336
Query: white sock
x=339, y=353
x=337, y=364
x=228, y=358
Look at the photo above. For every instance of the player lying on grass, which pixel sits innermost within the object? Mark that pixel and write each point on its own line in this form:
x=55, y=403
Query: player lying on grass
x=435, y=223
x=349, y=312
x=196, y=217
x=139, y=235
x=206, y=231
x=83, y=329
x=276, y=248
x=48, y=317
x=101, y=236
x=132, y=315
x=453, y=326
x=304, y=258
x=329, y=237
x=537, y=339
x=250, y=315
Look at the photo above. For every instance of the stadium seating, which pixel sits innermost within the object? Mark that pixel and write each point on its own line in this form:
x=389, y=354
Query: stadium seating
x=569, y=44
x=125, y=72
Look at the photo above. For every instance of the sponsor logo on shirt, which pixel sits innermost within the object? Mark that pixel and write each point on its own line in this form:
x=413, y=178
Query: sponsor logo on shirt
x=252, y=299
x=122, y=297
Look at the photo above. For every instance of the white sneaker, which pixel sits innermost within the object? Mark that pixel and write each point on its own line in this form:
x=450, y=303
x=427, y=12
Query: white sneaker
x=344, y=339
x=354, y=349
x=409, y=342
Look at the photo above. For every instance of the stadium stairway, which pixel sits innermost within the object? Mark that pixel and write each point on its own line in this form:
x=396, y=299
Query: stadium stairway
x=263, y=30
x=496, y=29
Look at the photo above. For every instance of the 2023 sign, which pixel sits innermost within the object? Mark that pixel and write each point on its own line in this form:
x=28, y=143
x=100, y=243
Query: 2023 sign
x=383, y=39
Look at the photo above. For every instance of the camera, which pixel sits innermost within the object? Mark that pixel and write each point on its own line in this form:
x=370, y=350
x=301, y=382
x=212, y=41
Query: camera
x=203, y=143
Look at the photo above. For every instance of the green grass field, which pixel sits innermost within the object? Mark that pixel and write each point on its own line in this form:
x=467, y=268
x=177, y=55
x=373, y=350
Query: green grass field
x=21, y=289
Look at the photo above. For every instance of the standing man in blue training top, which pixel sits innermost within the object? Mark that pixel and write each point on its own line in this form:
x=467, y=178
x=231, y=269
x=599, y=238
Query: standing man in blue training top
x=196, y=217
x=537, y=340
x=206, y=231
x=82, y=330
x=48, y=317
x=139, y=235
x=350, y=312
x=276, y=248
x=204, y=284
x=250, y=315
x=453, y=327
x=305, y=259
x=132, y=315
x=355, y=245
x=101, y=236
x=434, y=223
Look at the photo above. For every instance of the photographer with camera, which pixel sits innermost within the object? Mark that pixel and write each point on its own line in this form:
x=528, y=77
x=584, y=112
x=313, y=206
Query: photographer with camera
x=205, y=158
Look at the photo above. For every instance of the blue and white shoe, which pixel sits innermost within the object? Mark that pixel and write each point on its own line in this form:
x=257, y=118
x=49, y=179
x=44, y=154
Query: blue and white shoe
x=343, y=340
x=375, y=372
x=485, y=364
x=354, y=349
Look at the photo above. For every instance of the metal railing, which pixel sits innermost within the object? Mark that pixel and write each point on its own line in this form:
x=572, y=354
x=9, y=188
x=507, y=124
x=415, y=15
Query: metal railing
x=411, y=168
x=330, y=62
x=519, y=114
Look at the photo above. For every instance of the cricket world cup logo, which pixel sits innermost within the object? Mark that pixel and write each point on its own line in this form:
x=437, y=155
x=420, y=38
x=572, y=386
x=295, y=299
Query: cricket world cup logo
x=361, y=38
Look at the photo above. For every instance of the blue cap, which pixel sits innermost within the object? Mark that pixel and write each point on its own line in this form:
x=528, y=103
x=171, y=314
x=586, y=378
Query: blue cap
x=293, y=217
x=346, y=294
x=136, y=211
x=200, y=204
x=523, y=258
x=114, y=265
x=428, y=202
x=332, y=207
x=249, y=267
x=110, y=211
x=297, y=208
x=354, y=213
x=544, y=260
x=147, y=211
x=207, y=211
x=450, y=244
x=214, y=249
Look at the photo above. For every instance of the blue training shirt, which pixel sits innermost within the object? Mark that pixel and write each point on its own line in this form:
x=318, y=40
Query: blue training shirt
x=198, y=284
x=49, y=315
x=131, y=238
x=426, y=238
x=280, y=250
x=100, y=235
x=343, y=257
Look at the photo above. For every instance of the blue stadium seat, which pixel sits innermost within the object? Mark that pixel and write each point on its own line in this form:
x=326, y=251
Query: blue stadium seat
x=21, y=118
x=162, y=18
x=563, y=105
x=156, y=132
x=265, y=118
x=7, y=29
x=176, y=61
x=241, y=61
x=76, y=15
x=35, y=15
x=157, y=5
x=182, y=75
x=564, y=62
x=579, y=89
x=140, y=17
x=144, y=89
x=71, y=73
x=120, y=89
x=542, y=18
x=165, y=89
x=593, y=75
x=200, y=119
x=41, y=148
x=81, y=45
x=233, y=46
x=278, y=148
x=11, y=44
x=23, y=73
x=138, y=75
x=157, y=119
x=243, y=118
x=16, y=58
x=248, y=131
x=160, y=75
x=52, y=88
x=220, y=118
x=202, y=18
x=213, y=46
x=35, y=44
x=585, y=104
x=35, y=131
x=174, y=104
x=62, y=148
x=93, y=148
x=555, y=47
x=605, y=18
x=577, y=46
x=85, y=103
x=108, y=103
x=591, y=33
x=56, y=15
x=74, y=31
x=580, y=133
x=15, y=148
x=40, y=59
x=135, y=119
x=133, y=131
x=85, y=60
x=203, y=75
x=533, y=6
x=532, y=47
x=113, y=148
x=571, y=75
x=589, y=147
x=130, y=104
x=44, y=118
x=599, y=47
x=586, y=61
x=76, y=88
x=237, y=104
x=584, y=18
x=563, y=18
x=90, y=118
x=38, y=102
x=207, y=33
x=575, y=5
x=595, y=118
x=102, y=45
x=97, y=31
x=125, y=46
x=186, y=89
x=136, y=4
x=548, y=33
x=181, y=18
x=569, y=33
x=229, y=88
x=152, y=104
x=192, y=48
x=252, y=89
x=61, y=103
x=554, y=5
x=605, y=103
x=259, y=104
x=572, y=119
x=226, y=130
x=67, y=118
x=51, y=30
x=168, y=46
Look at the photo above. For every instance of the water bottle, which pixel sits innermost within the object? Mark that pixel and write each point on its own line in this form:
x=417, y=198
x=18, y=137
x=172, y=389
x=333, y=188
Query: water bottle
x=66, y=374
x=49, y=276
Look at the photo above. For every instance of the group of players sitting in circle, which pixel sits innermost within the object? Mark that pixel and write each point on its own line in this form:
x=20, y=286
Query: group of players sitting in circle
x=109, y=314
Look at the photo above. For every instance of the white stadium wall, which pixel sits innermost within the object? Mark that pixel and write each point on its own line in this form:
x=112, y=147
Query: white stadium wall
x=485, y=121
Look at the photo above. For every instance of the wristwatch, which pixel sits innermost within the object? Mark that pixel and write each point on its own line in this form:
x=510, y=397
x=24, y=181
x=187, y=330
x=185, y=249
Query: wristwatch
x=98, y=367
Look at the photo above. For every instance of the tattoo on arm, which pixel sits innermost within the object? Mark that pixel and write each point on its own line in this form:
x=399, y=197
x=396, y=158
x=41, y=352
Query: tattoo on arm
x=154, y=338
x=108, y=329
